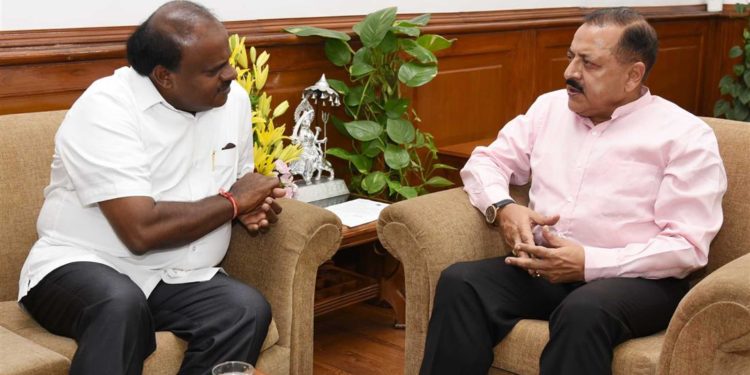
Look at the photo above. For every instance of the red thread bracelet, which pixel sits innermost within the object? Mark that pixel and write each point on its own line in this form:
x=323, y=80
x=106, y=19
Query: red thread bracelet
x=229, y=196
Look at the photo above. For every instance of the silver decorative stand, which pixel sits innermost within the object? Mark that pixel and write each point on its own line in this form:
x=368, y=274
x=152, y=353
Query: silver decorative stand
x=312, y=163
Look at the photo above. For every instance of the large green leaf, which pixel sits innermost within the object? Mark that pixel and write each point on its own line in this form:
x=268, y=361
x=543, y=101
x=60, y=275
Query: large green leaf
x=738, y=69
x=422, y=54
x=374, y=26
x=740, y=111
x=396, y=157
x=437, y=181
x=746, y=78
x=362, y=56
x=400, y=130
x=360, y=69
x=407, y=192
x=434, y=42
x=405, y=28
x=362, y=163
x=340, y=153
x=372, y=148
x=735, y=51
x=414, y=74
x=725, y=84
x=338, y=52
x=421, y=20
x=395, y=108
x=374, y=182
x=443, y=166
x=745, y=96
x=339, y=86
x=339, y=125
x=364, y=130
x=317, y=31
x=358, y=94
x=389, y=43
x=721, y=108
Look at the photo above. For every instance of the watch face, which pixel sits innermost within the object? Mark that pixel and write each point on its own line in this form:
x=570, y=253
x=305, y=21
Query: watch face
x=490, y=214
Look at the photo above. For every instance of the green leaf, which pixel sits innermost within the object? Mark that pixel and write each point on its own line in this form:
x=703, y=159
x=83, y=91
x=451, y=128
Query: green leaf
x=338, y=52
x=360, y=69
x=746, y=78
x=389, y=43
x=744, y=95
x=374, y=183
x=396, y=157
x=373, y=148
x=357, y=95
x=405, y=28
x=400, y=130
x=407, y=192
x=739, y=111
x=443, y=166
x=434, y=42
x=364, y=130
x=362, y=163
x=421, y=20
x=414, y=74
x=317, y=31
x=725, y=84
x=374, y=26
x=395, y=108
x=747, y=51
x=721, y=108
x=340, y=153
x=438, y=181
x=738, y=69
x=339, y=86
x=339, y=125
x=422, y=54
x=735, y=51
x=362, y=56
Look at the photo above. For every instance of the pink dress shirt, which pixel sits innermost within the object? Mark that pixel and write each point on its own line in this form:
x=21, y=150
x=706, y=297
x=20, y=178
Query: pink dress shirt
x=640, y=192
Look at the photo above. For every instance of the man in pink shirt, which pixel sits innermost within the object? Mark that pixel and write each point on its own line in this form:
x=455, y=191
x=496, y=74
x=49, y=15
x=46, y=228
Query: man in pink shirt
x=625, y=200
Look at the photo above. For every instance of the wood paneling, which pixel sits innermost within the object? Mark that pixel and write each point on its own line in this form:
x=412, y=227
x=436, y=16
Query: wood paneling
x=500, y=62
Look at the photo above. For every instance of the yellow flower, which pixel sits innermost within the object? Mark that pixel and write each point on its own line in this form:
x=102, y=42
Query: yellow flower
x=268, y=140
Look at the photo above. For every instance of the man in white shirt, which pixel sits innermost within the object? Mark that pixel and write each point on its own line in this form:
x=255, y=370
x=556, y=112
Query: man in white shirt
x=151, y=165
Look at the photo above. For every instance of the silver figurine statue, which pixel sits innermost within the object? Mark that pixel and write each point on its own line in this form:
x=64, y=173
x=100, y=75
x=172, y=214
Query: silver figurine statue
x=312, y=161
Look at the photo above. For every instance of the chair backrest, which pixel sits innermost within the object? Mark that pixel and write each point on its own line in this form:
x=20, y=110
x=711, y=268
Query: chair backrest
x=26, y=149
x=733, y=239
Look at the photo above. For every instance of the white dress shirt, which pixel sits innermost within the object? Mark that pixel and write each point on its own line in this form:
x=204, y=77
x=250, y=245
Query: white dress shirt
x=640, y=192
x=121, y=139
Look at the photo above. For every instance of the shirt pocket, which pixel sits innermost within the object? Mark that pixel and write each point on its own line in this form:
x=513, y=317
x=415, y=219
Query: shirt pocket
x=224, y=168
x=629, y=188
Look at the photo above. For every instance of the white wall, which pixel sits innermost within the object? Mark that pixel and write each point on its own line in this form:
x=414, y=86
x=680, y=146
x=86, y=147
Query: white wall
x=51, y=14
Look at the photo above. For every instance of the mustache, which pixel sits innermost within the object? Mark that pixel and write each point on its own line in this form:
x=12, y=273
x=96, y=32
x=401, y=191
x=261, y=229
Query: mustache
x=574, y=84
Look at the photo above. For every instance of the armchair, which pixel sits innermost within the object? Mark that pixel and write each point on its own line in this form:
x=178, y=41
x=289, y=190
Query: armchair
x=282, y=264
x=709, y=332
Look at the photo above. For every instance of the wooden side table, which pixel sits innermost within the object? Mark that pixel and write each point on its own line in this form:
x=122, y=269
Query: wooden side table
x=337, y=287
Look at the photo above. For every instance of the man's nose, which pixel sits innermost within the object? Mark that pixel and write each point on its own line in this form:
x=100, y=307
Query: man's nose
x=229, y=73
x=573, y=71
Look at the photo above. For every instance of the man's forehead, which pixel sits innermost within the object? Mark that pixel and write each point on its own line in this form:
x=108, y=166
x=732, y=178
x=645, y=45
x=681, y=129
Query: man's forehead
x=593, y=39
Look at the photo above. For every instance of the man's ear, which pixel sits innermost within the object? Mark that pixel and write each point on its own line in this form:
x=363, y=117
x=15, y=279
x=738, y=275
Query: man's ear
x=162, y=77
x=636, y=75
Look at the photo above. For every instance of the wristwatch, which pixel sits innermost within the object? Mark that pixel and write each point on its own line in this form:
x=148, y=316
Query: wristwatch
x=490, y=214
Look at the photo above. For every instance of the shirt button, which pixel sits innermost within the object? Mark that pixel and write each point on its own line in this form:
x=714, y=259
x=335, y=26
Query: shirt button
x=192, y=248
x=594, y=133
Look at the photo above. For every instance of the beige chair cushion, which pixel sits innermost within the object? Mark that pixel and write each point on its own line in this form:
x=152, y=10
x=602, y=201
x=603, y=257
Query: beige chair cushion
x=22, y=356
x=520, y=351
x=166, y=359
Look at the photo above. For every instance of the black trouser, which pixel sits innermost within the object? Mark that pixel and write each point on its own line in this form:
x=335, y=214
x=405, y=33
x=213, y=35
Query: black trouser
x=478, y=303
x=113, y=323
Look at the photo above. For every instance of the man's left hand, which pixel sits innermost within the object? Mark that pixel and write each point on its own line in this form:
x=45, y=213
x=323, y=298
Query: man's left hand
x=562, y=262
x=260, y=219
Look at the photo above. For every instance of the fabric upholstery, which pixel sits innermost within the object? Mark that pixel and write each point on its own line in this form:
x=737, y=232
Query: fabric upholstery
x=708, y=334
x=282, y=264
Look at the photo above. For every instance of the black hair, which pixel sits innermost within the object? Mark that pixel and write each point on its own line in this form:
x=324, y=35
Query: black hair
x=160, y=43
x=638, y=41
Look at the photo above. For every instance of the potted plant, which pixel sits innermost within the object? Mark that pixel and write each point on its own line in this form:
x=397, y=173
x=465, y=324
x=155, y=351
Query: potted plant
x=737, y=86
x=389, y=156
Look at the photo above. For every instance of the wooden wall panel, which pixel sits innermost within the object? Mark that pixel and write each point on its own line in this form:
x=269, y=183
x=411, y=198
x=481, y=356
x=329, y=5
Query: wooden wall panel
x=551, y=50
x=682, y=51
x=500, y=62
x=480, y=86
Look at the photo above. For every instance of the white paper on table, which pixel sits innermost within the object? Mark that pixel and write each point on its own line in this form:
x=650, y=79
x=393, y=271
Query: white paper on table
x=358, y=211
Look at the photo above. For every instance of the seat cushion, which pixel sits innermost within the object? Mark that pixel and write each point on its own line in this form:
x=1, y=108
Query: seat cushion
x=21, y=356
x=520, y=351
x=166, y=359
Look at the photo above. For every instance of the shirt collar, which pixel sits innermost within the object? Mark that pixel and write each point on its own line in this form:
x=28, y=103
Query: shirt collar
x=146, y=94
x=631, y=107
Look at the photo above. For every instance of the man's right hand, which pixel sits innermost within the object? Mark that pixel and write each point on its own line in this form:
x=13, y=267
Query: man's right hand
x=251, y=191
x=516, y=222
